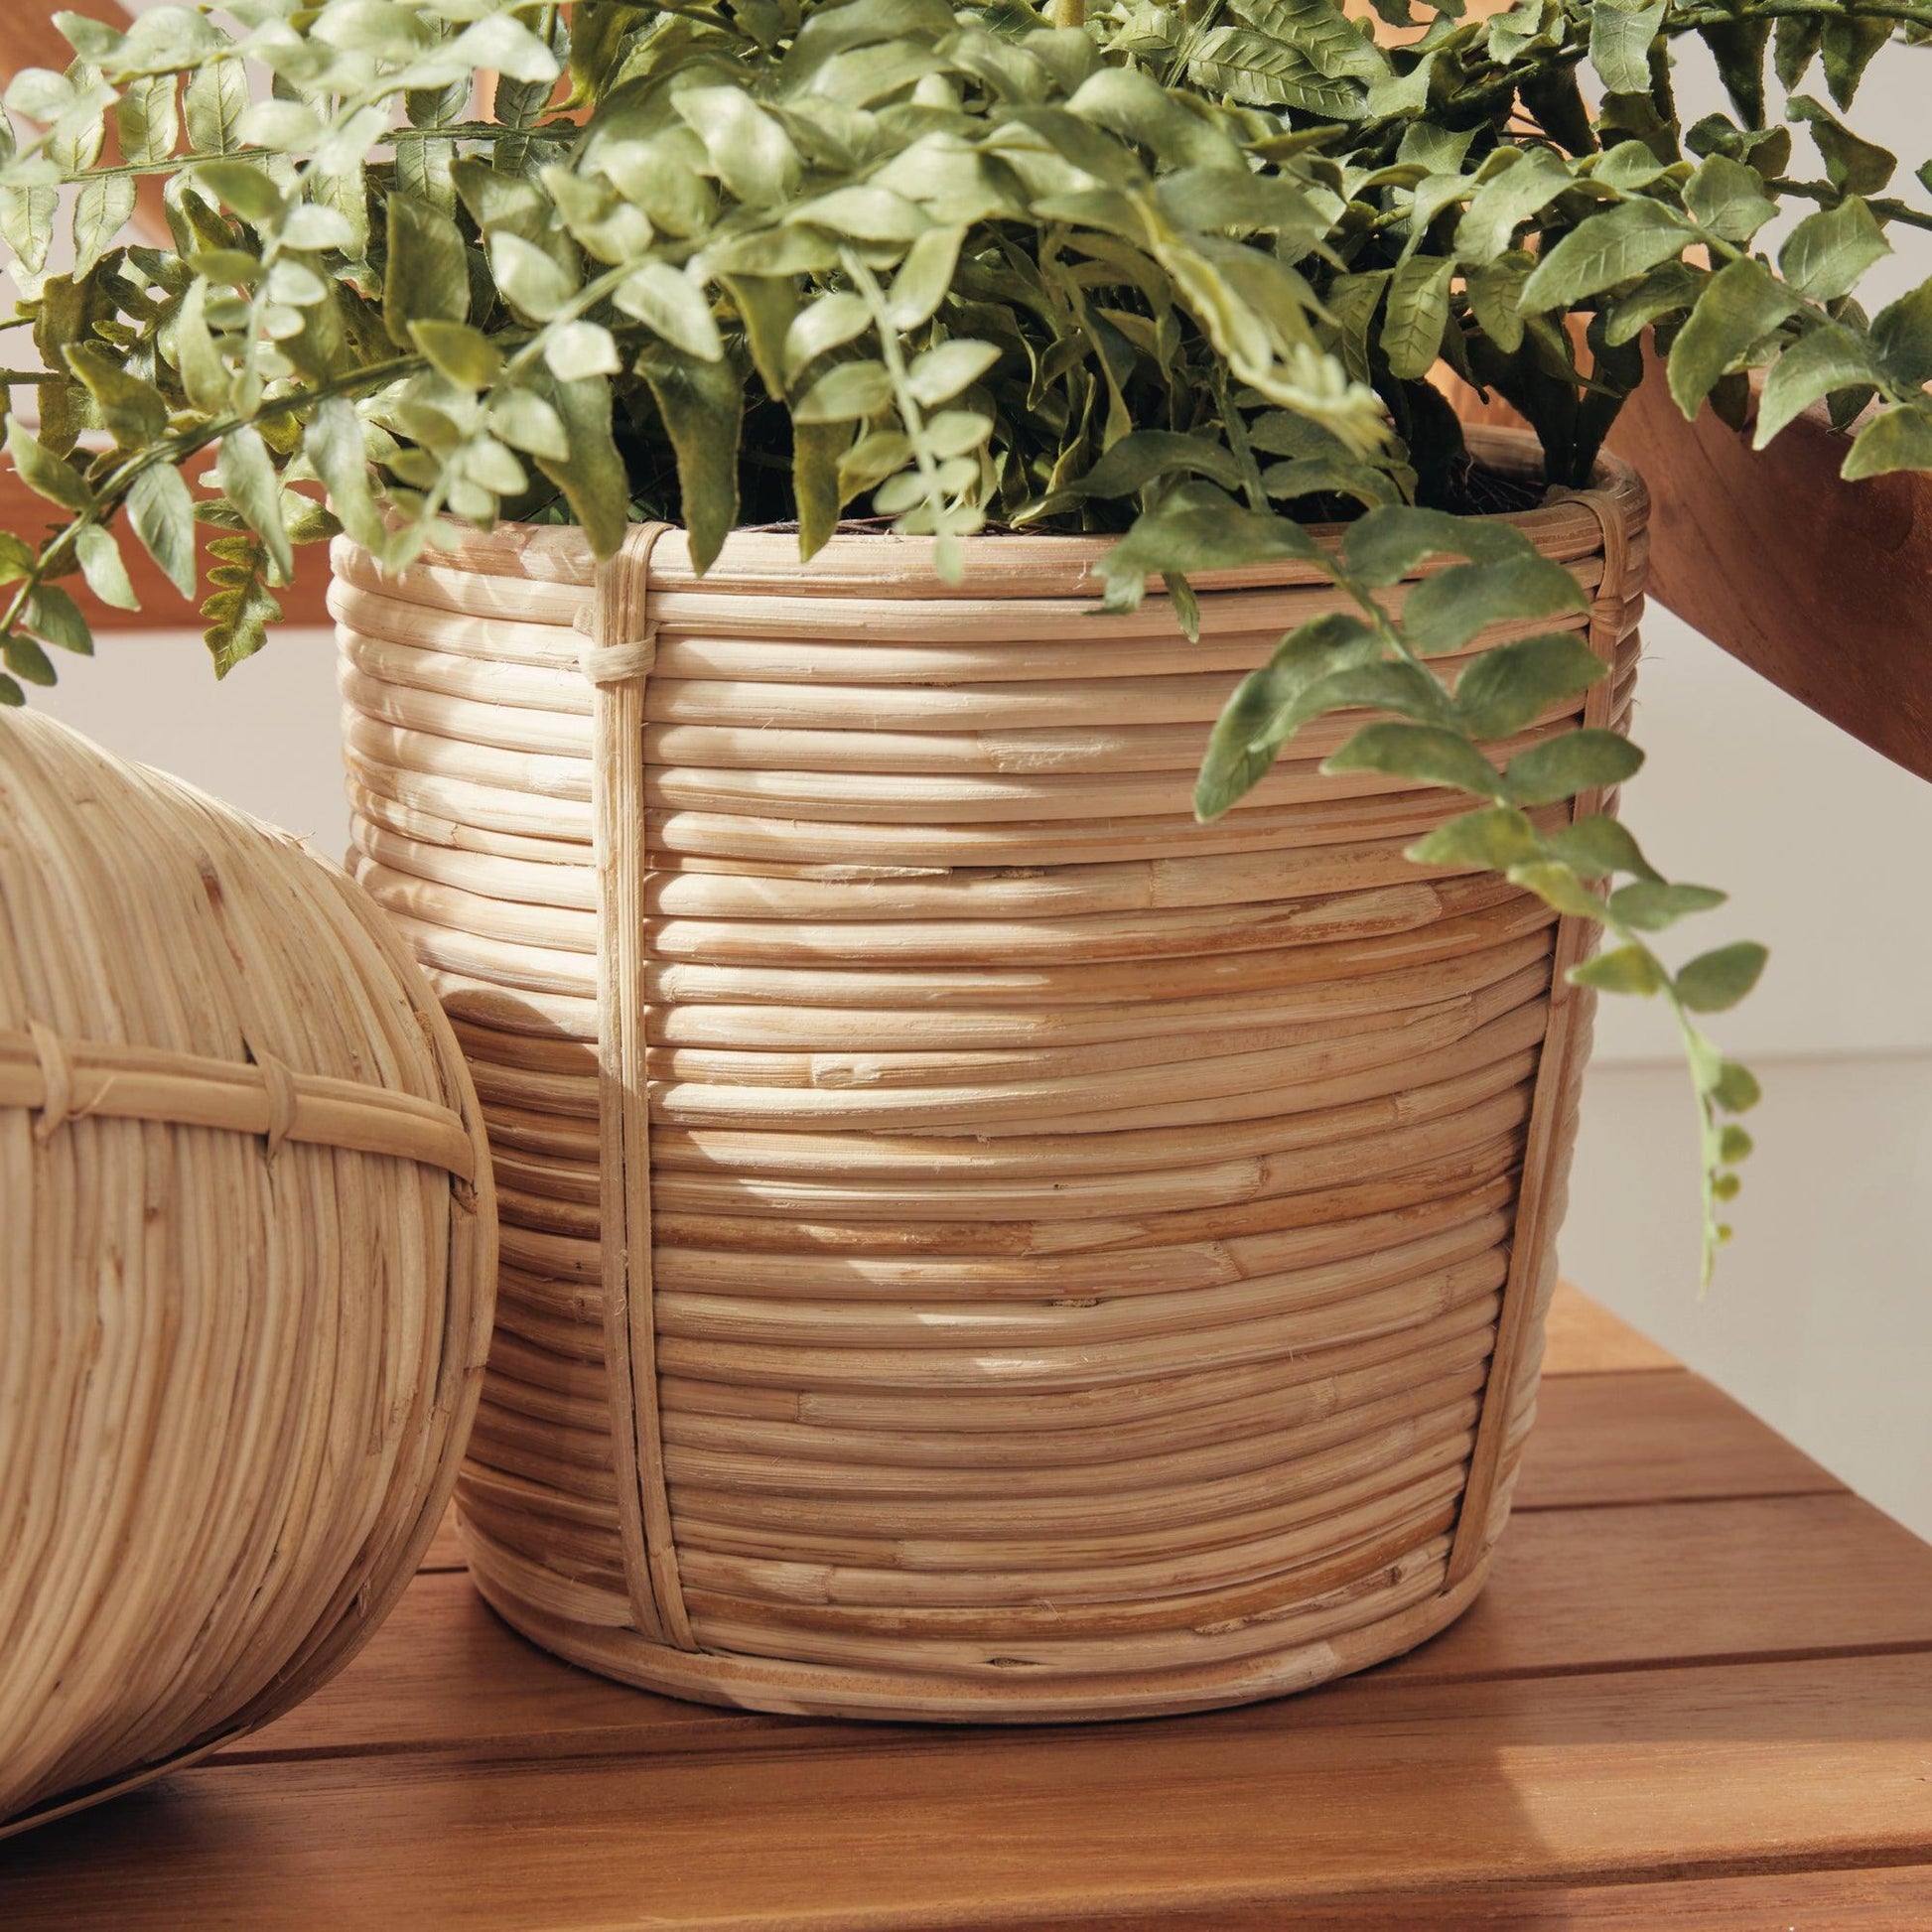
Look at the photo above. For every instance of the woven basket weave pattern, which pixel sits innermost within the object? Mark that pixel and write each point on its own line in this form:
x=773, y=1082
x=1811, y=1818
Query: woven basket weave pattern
x=1060, y=1270
x=246, y=1251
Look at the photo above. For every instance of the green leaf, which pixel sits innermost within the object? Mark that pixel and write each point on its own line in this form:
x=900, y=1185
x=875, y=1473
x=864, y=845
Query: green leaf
x=161, y=513
x=845, y=394
x=1496, y=291
x=1416, y=314
x=816, y=448
x=703, y=407
x=531, y=279
x=464, y=355
x=582, y=349
x=132, y=410
x=1573, y=762
x=1849, y=44
x=1260, y=70
x=243, y=186
x=25, y=659
x=941, y=374
x=1558, y=887
x=1828, y=360
x=1144, y=453
x=1664, y=291
x=507, y=44
x=1734, y=1088
x=1325, y=477
x=1740, y=304
x=749, y=151
x=242, y=607
x=1506, y=200
x=924, y=278
x=1257, y=719
x=1353, y=300
x=1728, y=200
x=1426, y=753
x=1383, y=686
x=1603, y=250
x=427, y=278
x=248, y=478
x=214, y=100
x=1184, y=541
x=1715, y=981
x=1737, y=47
x=1852, y=166
x=1901, y=333
x=1901, y=439
x=1497, y=838
x=592, y=475
x=830, y=321
x=204, y=375
x=147, y=119
x=1513, y=685
x=1384, y=546
x=334, y=445
x=53, y=615
x=1445, y=610
x=10, y=692
x=1597, y=846
x=1624, y=969
x=1619, y=44
x=100, y=564
x=673, y=306
x=1827, y=252
x=284, y=126
x=102, y=209
x=1798, y=41
x=1651, y=905
x=27, y=217
x=44, y=472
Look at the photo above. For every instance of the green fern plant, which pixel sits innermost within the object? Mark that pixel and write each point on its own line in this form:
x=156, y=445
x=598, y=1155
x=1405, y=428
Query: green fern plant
x=1174, y=272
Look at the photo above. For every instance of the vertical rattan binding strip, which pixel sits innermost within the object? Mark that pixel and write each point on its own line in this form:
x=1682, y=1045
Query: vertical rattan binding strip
x=1544, y=1137
x=618, y=664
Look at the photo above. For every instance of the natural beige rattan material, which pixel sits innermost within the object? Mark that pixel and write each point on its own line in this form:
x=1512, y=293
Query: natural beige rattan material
x=247, y=1247
x=1073, y=1262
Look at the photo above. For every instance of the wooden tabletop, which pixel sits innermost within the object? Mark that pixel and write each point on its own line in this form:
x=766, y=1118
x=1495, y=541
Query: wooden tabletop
x=1698, y=1693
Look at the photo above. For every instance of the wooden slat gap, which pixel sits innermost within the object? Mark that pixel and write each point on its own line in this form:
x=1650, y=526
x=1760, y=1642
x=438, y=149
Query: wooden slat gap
x=1833, y=1487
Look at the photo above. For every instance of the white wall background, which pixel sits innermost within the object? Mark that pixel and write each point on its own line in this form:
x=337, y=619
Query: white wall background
x=1820, y=1318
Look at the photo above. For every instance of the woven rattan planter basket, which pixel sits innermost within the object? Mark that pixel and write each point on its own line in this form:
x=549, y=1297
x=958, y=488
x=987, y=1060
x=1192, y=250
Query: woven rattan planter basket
x=1077, y=1263
x=246, y=1253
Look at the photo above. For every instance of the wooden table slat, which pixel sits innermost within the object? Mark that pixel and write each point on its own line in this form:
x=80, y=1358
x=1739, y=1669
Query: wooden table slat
x=1407, y=1788
x=1697, y=1692
x=1627, y=1588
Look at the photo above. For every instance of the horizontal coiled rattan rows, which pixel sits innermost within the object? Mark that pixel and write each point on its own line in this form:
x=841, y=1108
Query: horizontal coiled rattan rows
x=976, y=1243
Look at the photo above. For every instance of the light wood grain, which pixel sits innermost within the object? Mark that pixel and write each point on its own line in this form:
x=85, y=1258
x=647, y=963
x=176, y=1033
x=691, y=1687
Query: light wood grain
x=1583, y=1336
x=1652, y=1435
x=1417, y=1790
x=1549, y=1764
x=1638, y=1586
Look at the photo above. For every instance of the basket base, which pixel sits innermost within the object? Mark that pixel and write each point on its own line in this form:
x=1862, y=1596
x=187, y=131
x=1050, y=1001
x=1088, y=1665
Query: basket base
x=804, y=1690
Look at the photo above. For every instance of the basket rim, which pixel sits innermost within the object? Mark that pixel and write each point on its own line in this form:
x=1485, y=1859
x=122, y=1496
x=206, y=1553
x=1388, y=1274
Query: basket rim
x=999, y=564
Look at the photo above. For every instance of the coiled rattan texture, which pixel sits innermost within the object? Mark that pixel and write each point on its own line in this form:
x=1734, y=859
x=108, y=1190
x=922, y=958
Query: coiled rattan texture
x=246, y=1251
x=1064, y=1274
